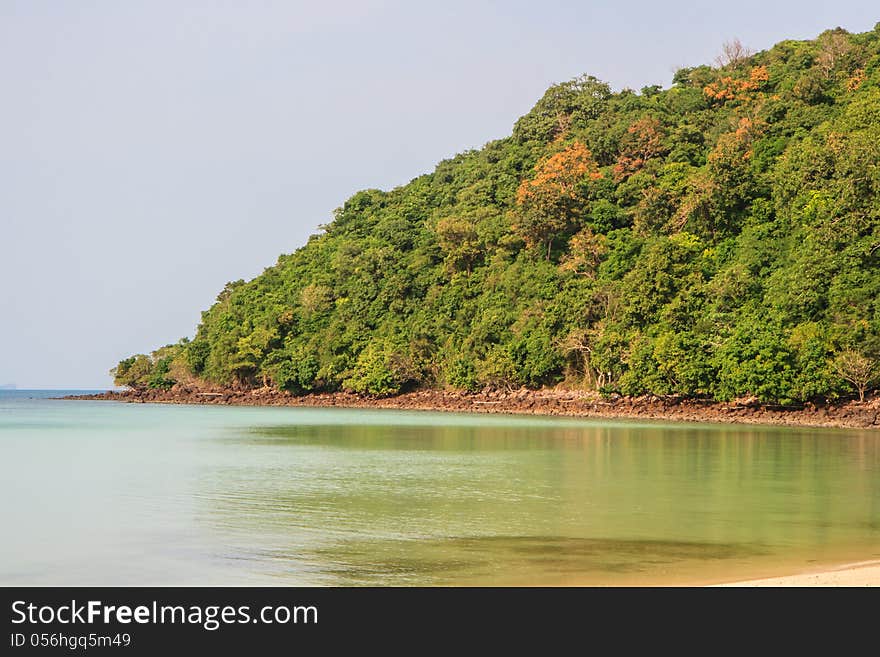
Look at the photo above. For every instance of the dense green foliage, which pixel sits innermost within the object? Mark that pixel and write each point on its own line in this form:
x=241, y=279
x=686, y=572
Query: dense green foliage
x=720, y=238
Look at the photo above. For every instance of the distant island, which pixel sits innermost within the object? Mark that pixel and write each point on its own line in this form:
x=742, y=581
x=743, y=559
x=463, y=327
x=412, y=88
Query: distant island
x=714, y=242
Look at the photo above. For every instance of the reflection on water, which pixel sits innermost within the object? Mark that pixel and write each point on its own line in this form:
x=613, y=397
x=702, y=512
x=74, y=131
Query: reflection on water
x=499, y=560
x=562, y=502
x=160, y=494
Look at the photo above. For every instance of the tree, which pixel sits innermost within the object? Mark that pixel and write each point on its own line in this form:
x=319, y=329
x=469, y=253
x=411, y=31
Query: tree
x=585, y=251
x=564, y=105
x=133, y=372
x=459, y=240
x=249, y=353
x=716, y=197
x=550, y=201
x=381, y=369
x=733, y=53
x=580, y=344
x=834, y=46
x=729, y=88
x=857, y=369
x=644, y=141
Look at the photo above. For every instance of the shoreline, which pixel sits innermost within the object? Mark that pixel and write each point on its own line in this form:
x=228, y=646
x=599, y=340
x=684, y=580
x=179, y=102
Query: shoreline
x=860, y=573
x=546, y=402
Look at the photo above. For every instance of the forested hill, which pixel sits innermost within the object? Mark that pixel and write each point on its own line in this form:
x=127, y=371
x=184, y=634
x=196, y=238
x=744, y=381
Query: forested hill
x=719, y=238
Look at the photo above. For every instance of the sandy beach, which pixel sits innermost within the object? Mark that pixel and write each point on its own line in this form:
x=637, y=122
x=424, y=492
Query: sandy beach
x=863, y=573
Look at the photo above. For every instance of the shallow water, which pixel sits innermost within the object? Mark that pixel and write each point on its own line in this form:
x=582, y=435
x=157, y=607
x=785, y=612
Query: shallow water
x=111, y=493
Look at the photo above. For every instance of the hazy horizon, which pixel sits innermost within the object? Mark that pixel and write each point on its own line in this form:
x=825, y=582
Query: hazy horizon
x=155, y=151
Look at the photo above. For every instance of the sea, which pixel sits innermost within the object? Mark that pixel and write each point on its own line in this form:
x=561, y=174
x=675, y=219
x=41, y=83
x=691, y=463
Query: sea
x=111, y=493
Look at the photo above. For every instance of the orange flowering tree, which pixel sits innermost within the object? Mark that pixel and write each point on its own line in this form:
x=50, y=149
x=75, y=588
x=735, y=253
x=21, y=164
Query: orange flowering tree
x=644, y=141
x=729, y=88
x=550, y=201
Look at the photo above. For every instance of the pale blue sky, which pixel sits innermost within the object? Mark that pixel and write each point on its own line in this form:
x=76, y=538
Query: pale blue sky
x=151, y=151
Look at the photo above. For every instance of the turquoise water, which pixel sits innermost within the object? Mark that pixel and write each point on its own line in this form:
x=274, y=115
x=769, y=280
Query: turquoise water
x=110, y=493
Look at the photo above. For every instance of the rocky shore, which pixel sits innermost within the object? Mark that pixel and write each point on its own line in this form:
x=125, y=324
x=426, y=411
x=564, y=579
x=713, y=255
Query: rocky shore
x=553, y=402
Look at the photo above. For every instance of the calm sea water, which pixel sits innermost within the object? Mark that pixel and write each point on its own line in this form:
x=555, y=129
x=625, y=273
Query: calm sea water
x=110, y=493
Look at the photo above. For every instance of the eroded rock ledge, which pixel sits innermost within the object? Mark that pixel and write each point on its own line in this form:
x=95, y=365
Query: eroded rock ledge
x=552, y=402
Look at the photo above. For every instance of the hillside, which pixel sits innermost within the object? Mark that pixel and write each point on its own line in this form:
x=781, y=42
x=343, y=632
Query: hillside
x=717, y=239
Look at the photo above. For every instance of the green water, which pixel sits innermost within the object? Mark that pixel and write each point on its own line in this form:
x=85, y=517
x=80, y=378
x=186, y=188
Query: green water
x=108, y=493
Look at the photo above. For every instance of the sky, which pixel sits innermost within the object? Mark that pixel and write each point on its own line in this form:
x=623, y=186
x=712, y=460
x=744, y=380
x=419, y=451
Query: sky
x=151, y=151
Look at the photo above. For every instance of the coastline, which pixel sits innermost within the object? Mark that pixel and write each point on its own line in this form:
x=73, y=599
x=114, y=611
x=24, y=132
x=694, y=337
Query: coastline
x=862, y=573
x=549, y=402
